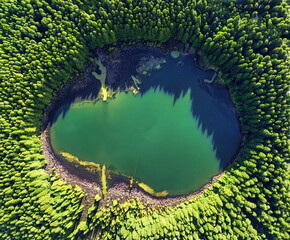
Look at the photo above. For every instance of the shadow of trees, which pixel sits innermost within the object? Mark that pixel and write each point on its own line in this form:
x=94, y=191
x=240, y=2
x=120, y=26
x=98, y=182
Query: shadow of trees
x=211, y=105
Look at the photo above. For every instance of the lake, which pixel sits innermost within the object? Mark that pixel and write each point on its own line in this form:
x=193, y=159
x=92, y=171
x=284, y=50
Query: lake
x=175, y=135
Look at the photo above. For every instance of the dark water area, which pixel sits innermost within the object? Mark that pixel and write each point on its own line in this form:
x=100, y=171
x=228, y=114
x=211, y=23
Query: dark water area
x=89, y=91
x=193, y=123
x=211, y=104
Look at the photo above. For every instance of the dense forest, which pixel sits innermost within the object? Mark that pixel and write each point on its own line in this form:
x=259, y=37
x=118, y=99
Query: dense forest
x=44, y=42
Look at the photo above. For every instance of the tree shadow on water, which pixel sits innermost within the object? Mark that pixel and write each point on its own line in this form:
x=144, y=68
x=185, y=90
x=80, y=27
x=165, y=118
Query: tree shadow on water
x=63, y=103
x=211, y=107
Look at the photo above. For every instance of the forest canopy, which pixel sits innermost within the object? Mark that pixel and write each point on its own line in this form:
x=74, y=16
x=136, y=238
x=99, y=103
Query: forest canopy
x=44, y=42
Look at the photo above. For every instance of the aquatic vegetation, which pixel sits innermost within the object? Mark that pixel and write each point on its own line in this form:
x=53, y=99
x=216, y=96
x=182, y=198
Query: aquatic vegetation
x=212, y=79
x=161, y=137
x=151, y=191
x=88, y=166
x=43, y=43
x=175, y=54
x=136, y=81
x=102, y=77
x=148, y=64
x=104, y=180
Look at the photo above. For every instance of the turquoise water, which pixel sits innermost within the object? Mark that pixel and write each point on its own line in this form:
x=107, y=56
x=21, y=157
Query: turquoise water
x=174, y=135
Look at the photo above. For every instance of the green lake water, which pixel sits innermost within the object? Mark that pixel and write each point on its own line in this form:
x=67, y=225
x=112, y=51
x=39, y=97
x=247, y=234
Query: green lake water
x=154, y=136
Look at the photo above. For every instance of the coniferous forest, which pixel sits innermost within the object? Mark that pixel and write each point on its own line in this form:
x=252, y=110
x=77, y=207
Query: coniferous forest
x=44, y=42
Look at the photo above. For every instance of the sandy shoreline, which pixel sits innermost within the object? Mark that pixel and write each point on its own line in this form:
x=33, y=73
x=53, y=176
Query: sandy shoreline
x=120, y=189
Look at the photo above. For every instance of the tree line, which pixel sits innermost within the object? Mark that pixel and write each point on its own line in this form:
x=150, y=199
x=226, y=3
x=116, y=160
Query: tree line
x=44, y=42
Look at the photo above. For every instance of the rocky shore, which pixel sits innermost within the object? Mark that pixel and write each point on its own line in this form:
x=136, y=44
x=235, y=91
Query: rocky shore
x=119, y=189
x=54, y=166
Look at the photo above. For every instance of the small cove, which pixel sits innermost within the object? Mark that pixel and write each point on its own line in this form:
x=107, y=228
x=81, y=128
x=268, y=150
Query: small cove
x=175, y=135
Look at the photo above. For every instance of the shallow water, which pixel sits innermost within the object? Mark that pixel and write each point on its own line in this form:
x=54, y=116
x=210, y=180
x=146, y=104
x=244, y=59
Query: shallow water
x=174, y=135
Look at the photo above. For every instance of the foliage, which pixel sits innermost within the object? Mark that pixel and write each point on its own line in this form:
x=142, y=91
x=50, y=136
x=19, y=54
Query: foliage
x=43, y=42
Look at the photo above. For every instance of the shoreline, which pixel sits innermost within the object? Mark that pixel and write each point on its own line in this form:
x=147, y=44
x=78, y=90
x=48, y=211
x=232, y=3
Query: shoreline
x=171, y=45
x=53, y=166
x=76, y=83
x=120, y=189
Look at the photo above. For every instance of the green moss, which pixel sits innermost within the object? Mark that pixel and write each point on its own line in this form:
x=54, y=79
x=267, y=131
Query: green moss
x=158, y=67
x=104, y=181
x=151, y=191
x=175, y=54
x=88, y=166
